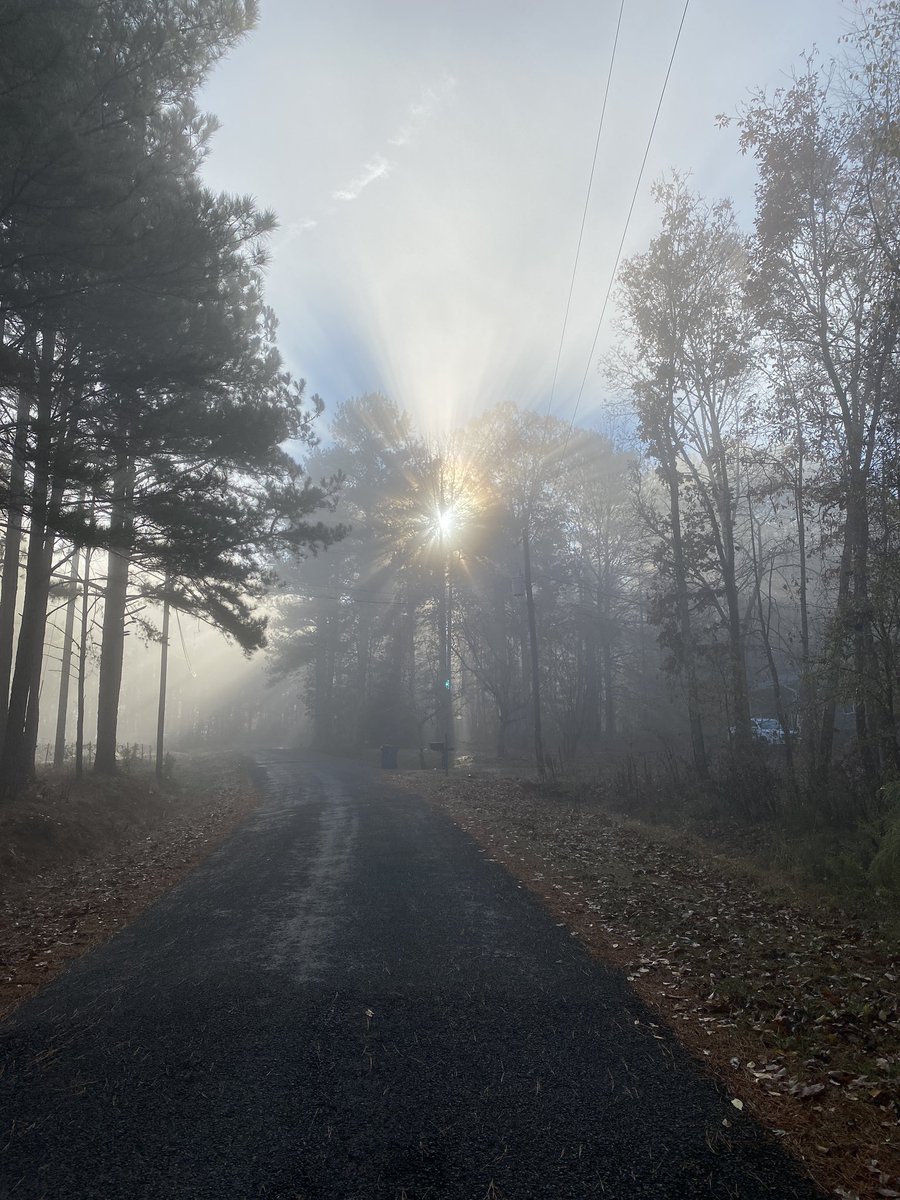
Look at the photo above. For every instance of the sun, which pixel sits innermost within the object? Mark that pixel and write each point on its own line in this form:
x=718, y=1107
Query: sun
x=446, y=521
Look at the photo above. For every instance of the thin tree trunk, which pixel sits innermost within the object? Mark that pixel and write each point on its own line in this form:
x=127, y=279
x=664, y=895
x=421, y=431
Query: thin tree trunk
x=62, y=704
x=807, y=697
x=535, y=663
x=864, y=661
x=112, y=651
x=764, y=628
x=833, y=664
x=362, y=675
x=324, y=680
x=698, y=746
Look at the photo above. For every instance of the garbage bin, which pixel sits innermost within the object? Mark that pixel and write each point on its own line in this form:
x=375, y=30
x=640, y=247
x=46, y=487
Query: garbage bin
x=389, y=756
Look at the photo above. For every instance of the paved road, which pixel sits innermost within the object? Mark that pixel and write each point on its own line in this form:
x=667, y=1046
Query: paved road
x=349, y=1002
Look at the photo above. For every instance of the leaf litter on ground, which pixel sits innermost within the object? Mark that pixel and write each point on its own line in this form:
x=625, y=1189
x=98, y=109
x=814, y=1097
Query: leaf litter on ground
x=81, y=860
x=793, y=1004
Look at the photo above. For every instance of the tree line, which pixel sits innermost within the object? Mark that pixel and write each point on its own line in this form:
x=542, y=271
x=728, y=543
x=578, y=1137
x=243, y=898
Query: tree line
x=143, y=401
x=730, y=553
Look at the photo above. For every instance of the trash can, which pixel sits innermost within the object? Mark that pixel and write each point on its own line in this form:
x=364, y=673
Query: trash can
x=389, y=756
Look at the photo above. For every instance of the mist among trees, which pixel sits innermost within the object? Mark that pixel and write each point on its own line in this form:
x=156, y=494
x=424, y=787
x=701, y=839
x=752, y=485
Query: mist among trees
x=144, y=401
x=631, y=600
x=725, y=552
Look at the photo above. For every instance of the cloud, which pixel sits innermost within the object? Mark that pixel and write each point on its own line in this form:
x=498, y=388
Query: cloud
x=377, y=168
x=418, y=114
x=293, y=230
x=422, y=110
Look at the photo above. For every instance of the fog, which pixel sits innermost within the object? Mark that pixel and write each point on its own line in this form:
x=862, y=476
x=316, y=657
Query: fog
x=432, y=170
x=449, y=541
x=429, y=166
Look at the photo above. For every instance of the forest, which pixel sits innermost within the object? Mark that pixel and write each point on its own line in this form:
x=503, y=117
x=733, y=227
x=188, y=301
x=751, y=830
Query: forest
x=697, y=595
x=144, y=401
x=701, y=597
x=531, y=823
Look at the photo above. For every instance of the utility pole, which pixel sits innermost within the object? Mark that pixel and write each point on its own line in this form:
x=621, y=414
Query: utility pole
x=535, y=666
x=163, y=672
x=445, y=698
x=82, y=660
x=62, y=703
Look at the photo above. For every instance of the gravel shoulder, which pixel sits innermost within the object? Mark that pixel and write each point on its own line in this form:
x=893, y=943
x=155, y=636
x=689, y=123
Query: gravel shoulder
x=791, y=1003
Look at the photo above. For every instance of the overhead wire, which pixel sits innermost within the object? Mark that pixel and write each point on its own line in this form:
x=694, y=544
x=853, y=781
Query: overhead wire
x=562, y=336
x=541, y=462
x=184, y=649
x=612, y=276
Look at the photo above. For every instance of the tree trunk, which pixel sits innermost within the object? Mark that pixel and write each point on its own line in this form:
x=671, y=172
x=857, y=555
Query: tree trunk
x=16, y=765
x=833, y=663
x=363, y=637
x=62, y=703
x=807, y=684
x=859, y=614
x=535, y=665
x=323, y=683
x=698, y=746
x=12, y=548
x=765, y=632
x=112, y=651
x=502, y=723
x=65, y=669
x=609, y=690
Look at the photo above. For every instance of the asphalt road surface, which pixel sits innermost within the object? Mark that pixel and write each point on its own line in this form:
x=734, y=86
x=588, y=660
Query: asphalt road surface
x=349, y=1001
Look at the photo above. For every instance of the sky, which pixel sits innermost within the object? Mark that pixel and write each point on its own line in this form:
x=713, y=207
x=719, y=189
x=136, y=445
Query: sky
x=428, y=161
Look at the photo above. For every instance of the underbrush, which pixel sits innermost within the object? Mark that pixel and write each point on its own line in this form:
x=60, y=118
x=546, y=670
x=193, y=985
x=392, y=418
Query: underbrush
x=61, y=821
x=827, y=833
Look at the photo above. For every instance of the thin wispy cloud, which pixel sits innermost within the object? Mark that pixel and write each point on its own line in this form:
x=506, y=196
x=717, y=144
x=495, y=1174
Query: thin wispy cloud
x=293, y=230
x=419, y=113
x=377, y=168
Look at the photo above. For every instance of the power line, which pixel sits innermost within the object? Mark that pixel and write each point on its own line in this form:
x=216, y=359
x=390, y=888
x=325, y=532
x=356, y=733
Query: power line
x=587, y=197
x=612, y=277
x=184, y=650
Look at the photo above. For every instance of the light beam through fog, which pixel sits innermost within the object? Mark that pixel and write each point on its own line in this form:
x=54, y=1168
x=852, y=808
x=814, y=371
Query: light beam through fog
x=429, y=165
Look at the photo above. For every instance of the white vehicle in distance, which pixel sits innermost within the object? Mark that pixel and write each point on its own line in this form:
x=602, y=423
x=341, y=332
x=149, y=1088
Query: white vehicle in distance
x=766, y=730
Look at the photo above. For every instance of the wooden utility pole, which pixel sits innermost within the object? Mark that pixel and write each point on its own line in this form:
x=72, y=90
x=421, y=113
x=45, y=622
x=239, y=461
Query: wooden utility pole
x=535, y=665
x=62, y=703
x=82, y=662
x=163, y=671
x=444, y=697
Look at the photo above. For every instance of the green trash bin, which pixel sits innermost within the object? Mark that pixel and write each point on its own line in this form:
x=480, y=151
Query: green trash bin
x=389, y=757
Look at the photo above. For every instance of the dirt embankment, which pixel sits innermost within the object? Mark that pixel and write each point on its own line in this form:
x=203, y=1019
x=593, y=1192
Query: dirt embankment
x=794, y=1005
x=78, y=860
